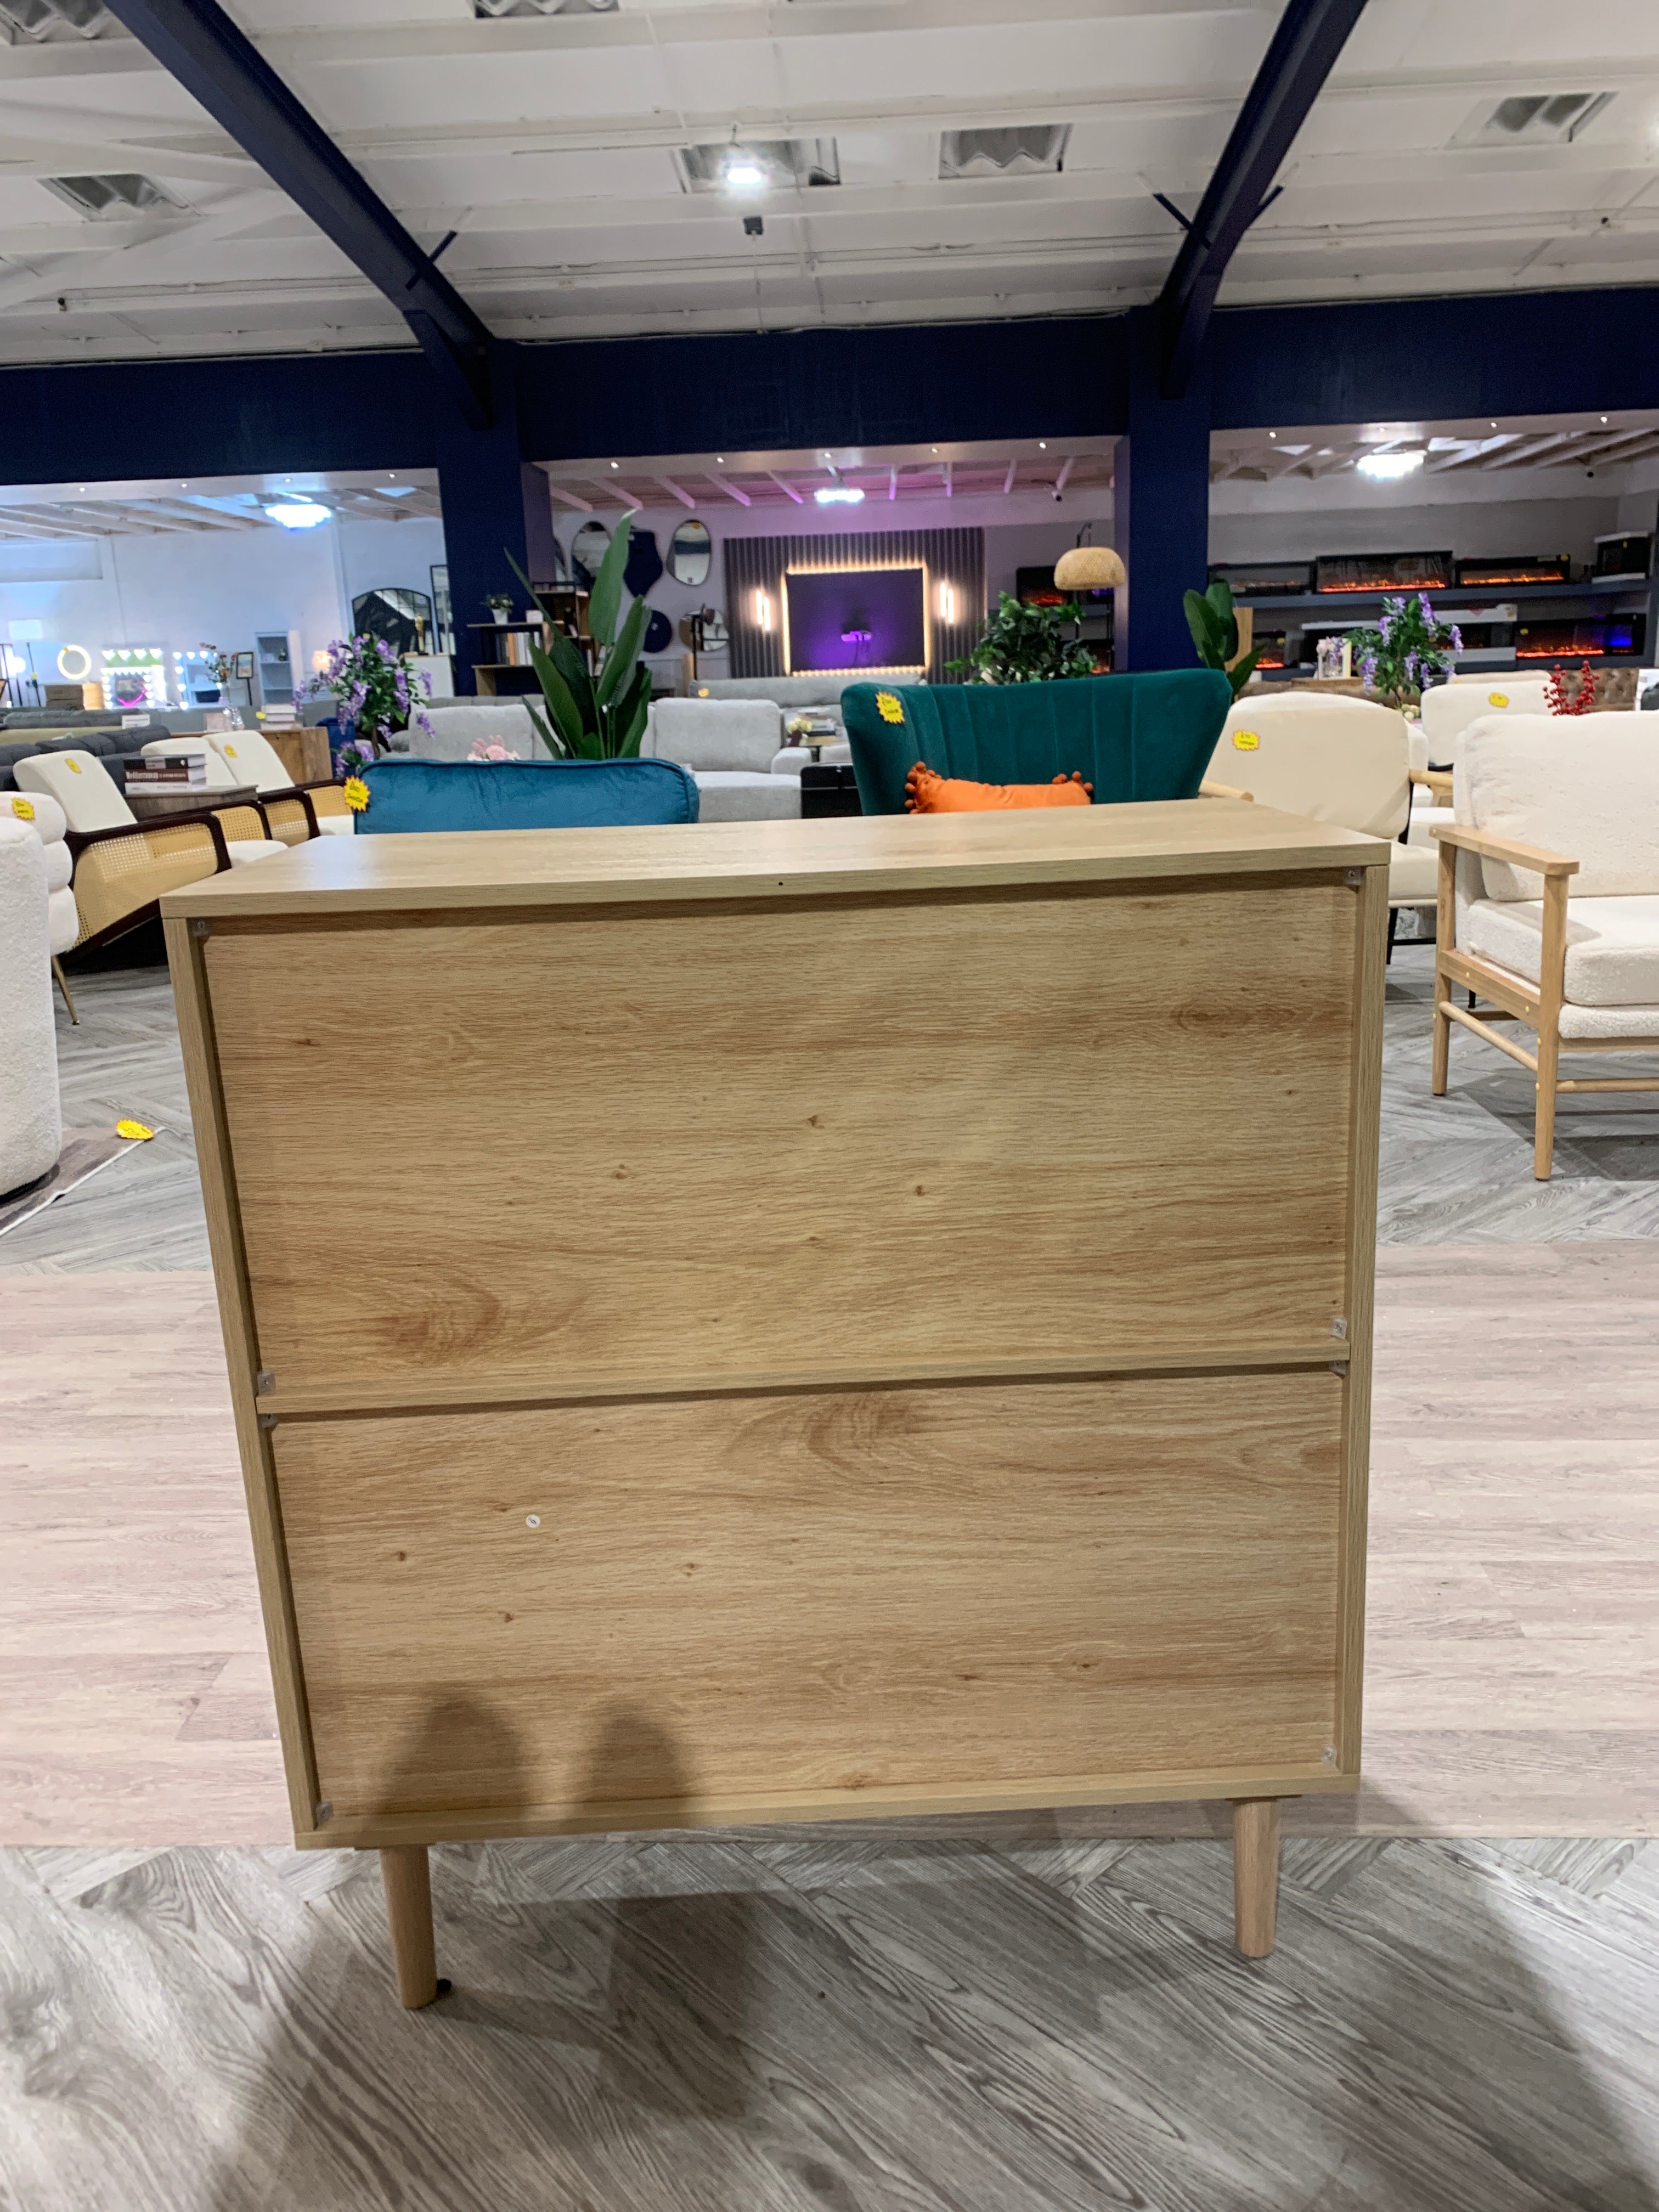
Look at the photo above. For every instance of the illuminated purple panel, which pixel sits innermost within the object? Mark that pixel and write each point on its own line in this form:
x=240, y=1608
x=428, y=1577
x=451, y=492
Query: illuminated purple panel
x=853, y=618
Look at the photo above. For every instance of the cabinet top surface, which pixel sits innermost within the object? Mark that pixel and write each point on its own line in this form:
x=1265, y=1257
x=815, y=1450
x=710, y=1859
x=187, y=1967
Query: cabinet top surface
x=726, y=859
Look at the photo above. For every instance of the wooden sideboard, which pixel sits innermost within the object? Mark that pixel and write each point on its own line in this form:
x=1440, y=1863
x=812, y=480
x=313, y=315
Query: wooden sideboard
x=809, y=1320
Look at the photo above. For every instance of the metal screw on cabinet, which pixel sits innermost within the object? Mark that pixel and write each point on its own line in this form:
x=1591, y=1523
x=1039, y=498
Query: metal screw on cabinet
x=1327, y=1753
x=1353, y=878
x=532, y=1520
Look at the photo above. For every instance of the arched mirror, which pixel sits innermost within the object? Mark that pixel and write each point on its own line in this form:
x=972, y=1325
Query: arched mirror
x=401, y=617
x=586, y=551
x=690, y=553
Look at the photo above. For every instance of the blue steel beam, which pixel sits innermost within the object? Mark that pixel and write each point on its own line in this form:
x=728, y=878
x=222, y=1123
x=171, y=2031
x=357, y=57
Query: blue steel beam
x=1301, y=55
x=196, y=42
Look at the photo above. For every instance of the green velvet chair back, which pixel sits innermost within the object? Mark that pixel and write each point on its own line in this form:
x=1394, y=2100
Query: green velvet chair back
x=1132, y=737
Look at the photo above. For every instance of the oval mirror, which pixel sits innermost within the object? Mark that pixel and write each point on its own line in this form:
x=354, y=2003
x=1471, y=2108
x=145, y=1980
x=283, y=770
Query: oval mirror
x=690, y=553
x=586, y=551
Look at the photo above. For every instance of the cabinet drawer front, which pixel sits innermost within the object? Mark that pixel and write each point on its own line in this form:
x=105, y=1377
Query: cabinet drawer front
x=849, y=1138
x=544, y=1612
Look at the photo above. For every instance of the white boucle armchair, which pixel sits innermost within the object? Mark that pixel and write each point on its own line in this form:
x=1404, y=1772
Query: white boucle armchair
x=1549, y=899
x=1339, y=760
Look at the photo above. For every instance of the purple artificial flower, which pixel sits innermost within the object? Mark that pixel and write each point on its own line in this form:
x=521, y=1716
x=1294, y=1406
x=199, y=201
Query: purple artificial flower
x=1384, y=627
x=426, y=684
x=1456, y=639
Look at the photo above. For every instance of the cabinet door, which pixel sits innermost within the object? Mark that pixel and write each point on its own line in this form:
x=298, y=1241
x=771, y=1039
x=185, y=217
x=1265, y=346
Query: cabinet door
x=846, y=1137
x=849, y=1601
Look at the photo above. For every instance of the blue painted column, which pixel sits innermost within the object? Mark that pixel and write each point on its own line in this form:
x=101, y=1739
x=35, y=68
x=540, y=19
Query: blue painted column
x=494, y=502
x=1161, y=506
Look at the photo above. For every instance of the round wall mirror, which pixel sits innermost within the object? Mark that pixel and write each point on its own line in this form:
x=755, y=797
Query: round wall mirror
x=690, y=553
x=586, y=551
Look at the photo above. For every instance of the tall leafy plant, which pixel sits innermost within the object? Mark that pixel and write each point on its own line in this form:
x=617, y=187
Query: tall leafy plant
x=1214, y=626
x=600, y=716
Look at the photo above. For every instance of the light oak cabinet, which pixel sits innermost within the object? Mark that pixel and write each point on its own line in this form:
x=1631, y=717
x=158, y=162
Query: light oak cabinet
x=812, y=1319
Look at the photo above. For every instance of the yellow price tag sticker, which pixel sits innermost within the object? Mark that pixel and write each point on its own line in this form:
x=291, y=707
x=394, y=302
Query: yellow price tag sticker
x=73, y=766
x=139, y=1132
x=1246, y=741
x=1498, y=698
x=23, y=809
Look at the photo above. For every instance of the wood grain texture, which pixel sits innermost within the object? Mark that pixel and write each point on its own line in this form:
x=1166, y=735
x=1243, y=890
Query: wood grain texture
x=240, y=1332
x=764, y=860
x=1255, y=1875
x=857, y=2024
x=636, y=1144
x=826, y=1595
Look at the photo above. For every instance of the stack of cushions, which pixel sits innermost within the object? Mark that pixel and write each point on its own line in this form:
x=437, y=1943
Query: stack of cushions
x=31, y=1120
x=1132, y=737
x=414, y=796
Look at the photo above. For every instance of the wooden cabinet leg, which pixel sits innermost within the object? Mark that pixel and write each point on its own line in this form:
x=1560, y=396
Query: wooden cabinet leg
x=1256, y=1873
x=408, y=1883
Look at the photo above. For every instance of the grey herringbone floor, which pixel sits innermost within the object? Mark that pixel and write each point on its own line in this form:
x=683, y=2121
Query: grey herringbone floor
x=836, y=2022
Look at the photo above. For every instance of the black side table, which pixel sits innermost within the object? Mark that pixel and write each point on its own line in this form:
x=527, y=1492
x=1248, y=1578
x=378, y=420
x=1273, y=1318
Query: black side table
x=827, y=788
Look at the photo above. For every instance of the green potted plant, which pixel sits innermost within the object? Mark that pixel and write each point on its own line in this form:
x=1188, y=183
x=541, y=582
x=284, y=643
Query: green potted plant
x=598, y=716
x=1022, y=644
x=1214, y=626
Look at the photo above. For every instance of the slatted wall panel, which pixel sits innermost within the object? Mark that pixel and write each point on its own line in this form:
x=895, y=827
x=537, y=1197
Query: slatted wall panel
x=754, y=565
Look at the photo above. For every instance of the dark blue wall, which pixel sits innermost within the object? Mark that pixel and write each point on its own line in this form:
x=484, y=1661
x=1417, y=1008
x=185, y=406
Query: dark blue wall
x=1517, y=352
x=1512, y=354
x=195, y=418
x=786, y=389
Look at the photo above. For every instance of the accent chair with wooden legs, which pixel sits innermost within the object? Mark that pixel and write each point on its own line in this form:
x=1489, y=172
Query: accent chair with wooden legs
x=122, y=866
x=1548, y=903
x=296, y=812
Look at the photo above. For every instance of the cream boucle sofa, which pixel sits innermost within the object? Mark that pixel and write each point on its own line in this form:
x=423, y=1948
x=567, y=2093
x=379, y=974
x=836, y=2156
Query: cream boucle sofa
x=1549, y=898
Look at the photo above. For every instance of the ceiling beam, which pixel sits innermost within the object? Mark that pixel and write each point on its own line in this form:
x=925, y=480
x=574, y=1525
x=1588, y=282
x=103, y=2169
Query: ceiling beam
x=570, y=498
x=222, y=69
x=730, y=490
x=1301, y=55
x=784, y=484
x=684, y=497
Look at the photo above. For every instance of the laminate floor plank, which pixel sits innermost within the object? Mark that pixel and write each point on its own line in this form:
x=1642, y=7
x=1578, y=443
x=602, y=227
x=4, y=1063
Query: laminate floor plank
x=1444, y=2027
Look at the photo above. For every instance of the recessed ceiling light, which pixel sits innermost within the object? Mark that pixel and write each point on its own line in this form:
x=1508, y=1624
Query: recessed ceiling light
x=1389, y=465
x=1604, y=418
x=616, y=464
x=1042, y=445
x=1272, y=434
x=719, y=460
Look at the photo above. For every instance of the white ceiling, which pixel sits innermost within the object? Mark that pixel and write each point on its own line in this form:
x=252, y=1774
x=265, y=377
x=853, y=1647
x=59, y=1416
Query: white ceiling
x=550, y=144
x=151, y=508
x=886, y=475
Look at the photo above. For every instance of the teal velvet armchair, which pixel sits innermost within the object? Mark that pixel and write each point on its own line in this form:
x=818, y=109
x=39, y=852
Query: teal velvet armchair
x=1139, y=736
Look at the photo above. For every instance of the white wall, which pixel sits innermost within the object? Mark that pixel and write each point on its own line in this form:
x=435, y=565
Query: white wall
x=222, y=586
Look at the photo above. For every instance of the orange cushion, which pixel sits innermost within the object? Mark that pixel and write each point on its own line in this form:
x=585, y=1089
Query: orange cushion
x=927, y=793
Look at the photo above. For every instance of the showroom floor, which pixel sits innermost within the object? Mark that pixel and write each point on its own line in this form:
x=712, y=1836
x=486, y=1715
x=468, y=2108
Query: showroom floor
x=1042, y=2012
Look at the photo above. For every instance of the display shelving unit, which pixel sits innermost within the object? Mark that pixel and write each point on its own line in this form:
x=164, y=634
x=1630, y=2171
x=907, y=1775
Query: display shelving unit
x=1308, y=613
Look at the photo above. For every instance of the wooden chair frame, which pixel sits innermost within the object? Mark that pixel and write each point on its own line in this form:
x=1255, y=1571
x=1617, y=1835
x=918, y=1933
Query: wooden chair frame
x=1514, y=999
